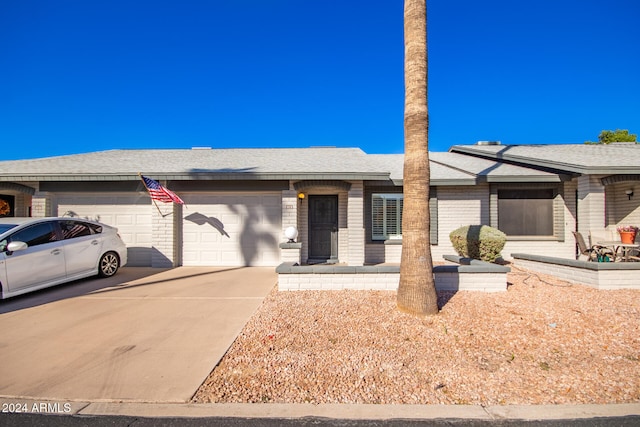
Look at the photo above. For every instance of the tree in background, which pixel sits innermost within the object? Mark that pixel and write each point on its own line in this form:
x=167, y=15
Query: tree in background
x=618, y=135
x=416, y=290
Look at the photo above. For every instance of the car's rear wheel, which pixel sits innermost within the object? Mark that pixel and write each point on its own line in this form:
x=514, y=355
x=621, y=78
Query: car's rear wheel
x=109, y=264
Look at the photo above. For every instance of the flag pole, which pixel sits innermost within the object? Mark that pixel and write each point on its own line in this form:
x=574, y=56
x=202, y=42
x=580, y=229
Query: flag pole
x=152, y=199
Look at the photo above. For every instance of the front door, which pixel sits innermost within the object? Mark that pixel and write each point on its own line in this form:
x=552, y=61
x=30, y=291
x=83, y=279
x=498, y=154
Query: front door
x=323, y=228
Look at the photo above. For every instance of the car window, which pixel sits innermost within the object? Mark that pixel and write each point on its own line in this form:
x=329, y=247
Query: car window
x=6, y=227
x=71, y=229
x=36, y=234
x=97, y=229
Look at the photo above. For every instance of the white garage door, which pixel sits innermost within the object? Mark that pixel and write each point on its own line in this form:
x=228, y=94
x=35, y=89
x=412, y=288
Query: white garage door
x=131, y=214
x=224, y=229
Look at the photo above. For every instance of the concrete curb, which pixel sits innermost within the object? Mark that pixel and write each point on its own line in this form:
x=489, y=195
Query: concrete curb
x=334, y=411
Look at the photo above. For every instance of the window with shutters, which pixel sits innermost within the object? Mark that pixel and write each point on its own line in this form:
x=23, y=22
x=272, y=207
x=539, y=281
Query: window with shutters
x=386, y=216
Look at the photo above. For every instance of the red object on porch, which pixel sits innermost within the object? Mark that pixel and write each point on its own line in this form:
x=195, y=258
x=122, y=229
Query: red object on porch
x=627, y=236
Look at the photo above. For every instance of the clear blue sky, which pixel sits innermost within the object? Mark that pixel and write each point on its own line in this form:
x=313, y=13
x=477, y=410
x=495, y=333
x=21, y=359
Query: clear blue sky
x=79, y=76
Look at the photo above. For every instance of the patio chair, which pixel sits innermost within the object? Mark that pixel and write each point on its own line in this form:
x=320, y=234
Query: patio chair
x=593, y=252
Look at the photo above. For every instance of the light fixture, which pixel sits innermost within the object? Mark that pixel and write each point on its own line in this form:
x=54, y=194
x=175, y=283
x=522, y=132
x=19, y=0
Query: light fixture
x=629, y=193
x=291, y=233
x=301, y=197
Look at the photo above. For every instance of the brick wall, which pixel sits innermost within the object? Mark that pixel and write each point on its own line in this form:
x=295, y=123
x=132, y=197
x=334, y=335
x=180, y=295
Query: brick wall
x=355, y=224
x=166, y=231
x=591, y=204
x=616, y=276
x=458, y=206
x=622, y=210
x=42, y=205
x=483, y=282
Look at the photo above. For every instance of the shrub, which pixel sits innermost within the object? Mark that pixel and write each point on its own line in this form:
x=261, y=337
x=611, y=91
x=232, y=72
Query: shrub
x=478, y=242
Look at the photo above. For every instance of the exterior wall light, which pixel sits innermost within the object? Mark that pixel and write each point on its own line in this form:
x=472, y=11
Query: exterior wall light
x=291, y=233
x=629, y=193
x=301, y=197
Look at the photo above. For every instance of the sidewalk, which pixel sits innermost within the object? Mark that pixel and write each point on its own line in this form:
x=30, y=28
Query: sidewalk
x=333, y=411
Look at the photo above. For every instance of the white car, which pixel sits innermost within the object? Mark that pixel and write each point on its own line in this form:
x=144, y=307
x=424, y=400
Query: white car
x=36, y=253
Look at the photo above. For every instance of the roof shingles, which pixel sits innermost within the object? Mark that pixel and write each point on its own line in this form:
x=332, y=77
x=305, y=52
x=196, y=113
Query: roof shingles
x=263, y=163
x=578, y=158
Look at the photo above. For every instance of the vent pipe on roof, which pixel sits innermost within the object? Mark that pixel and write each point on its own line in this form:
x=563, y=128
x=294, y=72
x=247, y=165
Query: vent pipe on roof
x=488, y=143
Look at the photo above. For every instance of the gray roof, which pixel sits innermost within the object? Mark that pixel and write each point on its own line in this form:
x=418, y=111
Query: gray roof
x=440, y=174
x=258, y=163
x=616, y=158
x=459, y=169
x=486, y=170
x=263, y=163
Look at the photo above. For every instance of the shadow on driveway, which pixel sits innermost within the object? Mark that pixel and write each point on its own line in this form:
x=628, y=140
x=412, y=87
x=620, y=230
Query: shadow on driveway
x=77, y=288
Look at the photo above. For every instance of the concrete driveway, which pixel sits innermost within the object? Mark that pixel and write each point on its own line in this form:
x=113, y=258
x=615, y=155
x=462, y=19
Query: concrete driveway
x=144, y=335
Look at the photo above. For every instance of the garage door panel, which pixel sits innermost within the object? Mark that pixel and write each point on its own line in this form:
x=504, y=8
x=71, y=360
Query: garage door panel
x=207, y=256
x=131, y=214
x=239, y=229
x=104, y=218
x=271, y=200
x=207, y=238
x=230, y=257
x=126, y=219
x=189, y=237
x=228, y=220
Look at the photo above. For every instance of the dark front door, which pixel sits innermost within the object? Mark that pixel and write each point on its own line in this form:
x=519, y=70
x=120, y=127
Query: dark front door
x=323, y=224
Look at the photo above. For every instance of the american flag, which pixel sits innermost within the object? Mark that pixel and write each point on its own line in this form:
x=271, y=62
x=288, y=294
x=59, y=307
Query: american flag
x=160, y=193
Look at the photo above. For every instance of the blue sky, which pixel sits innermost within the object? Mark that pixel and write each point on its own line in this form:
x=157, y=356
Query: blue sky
x=79, y=76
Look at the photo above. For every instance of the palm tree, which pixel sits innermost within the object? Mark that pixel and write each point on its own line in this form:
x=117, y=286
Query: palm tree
x=416, y=291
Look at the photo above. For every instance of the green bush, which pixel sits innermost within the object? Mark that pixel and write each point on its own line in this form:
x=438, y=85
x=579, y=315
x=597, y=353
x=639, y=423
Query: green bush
x=478, y=242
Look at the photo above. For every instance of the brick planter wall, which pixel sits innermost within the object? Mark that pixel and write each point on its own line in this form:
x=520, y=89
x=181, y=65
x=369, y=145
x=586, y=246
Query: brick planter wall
x=464, y=275
x=599, y=275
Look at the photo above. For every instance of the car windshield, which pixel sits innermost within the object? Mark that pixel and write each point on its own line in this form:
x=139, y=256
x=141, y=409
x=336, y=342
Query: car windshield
x=6, y=227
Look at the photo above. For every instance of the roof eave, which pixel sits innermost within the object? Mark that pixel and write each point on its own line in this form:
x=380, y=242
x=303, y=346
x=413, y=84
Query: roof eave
x=520, y=178
x=220, y=176
x=611, y=171
x=452, y=182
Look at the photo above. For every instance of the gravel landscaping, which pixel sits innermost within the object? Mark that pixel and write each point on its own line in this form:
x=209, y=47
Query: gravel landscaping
x=544, y=341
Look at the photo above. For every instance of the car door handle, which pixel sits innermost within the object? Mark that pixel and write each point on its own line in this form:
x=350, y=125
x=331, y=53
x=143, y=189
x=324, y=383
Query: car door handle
x=94, y=242
x=56, y=252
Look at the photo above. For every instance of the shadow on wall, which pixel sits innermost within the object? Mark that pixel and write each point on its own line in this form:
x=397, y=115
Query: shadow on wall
x=200, y=219
x=73, y=214
x=251, y=237
x=158, y=259
x=621, y=208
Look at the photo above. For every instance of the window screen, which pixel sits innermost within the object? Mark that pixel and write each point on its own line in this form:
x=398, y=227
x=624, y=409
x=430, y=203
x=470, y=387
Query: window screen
x=526, y=212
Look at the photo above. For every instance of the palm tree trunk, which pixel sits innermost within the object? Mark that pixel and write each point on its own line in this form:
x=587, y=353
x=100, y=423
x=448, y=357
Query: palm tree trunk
x=416, y=291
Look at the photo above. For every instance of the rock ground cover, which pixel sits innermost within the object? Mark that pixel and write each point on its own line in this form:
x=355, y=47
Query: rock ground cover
x=544, y=341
